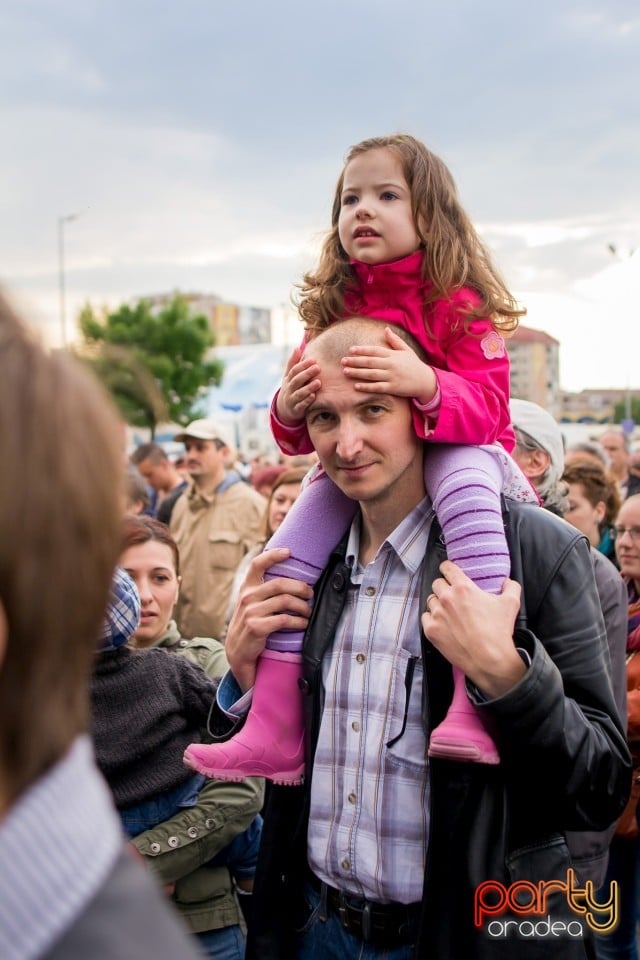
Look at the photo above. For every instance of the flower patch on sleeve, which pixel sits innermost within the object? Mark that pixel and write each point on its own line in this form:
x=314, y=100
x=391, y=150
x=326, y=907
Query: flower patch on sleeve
x=493, y=346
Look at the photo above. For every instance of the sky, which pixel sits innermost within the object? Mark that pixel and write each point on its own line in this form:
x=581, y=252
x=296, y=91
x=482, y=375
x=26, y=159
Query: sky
x=197, y=144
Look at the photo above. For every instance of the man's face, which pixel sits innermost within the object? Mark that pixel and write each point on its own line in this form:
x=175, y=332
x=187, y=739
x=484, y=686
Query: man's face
x=614, y=445
x=153, y=473
x=366, y=442
x=203, y=461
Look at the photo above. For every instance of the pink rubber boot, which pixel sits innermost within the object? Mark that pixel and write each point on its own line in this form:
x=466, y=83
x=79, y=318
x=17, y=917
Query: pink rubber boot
x=462, y=734
x=271, y=742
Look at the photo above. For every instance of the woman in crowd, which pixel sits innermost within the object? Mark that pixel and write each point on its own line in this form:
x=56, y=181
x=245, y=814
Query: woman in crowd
x=284, y=493
x=180, y=850
x=594, y=501
x=624, y=856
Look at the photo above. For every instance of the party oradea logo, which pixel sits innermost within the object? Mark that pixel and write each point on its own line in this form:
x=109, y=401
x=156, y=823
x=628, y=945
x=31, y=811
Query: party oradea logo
x=547, y=910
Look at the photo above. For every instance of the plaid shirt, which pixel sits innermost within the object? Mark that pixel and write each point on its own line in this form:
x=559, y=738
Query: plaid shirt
x=369, y=817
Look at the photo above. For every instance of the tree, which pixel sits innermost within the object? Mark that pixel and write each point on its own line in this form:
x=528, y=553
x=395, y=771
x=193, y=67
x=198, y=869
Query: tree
x=620, y=410
x=152, y=361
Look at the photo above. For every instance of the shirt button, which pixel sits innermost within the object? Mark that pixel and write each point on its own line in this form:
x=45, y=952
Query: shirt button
x=154, y=847
x=355, y=726
x=345, y=864
x=173, y=841
x=360, y=658
x=351, y=798
x=192, y=832
x=370, y=591
x=209, y=823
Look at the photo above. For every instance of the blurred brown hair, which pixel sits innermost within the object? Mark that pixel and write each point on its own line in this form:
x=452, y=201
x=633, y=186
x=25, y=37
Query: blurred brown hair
x=292, y=475
x=598, y=484
x=142, y=529
x=60, y=514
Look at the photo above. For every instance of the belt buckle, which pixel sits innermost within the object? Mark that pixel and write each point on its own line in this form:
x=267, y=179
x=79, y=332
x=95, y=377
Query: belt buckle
x=367, y=927
x=342, y=909
x=364, y=925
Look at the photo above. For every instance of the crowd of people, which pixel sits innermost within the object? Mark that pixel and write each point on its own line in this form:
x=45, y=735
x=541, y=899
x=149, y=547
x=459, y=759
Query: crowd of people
x=379, y=700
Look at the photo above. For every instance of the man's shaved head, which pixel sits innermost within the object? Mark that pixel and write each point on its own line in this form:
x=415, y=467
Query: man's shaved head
x=334, y=342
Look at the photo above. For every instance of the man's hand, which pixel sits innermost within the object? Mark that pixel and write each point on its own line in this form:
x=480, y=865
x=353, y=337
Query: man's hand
x=299, y=387
x=263, y=607
x=474, y=629
x=395, y=370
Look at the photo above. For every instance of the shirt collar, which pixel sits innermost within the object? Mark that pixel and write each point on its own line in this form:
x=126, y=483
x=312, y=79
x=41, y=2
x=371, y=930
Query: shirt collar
x=408, y=540
x=58, y=843
x=197, y=497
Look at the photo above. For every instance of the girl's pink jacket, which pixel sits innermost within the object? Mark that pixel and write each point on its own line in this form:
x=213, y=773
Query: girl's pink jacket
x=471, y=365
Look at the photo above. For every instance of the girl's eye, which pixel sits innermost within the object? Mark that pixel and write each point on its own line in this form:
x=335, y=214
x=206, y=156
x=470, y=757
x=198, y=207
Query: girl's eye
x=388, y=195
x=349, y=199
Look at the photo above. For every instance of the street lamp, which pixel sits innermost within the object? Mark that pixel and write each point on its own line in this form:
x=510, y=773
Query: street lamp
x=628, y=422
x=61, y=223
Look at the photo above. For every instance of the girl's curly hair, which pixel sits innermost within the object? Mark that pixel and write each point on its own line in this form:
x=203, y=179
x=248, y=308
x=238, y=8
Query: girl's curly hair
x=454, y=255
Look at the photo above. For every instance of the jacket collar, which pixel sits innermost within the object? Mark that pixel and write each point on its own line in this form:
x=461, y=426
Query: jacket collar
x=406, y=270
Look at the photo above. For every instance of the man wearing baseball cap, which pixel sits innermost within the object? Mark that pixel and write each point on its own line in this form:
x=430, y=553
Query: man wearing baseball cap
x=214, y=523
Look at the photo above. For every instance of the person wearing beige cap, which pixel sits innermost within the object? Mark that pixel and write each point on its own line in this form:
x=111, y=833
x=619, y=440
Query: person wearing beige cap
x=214, y=523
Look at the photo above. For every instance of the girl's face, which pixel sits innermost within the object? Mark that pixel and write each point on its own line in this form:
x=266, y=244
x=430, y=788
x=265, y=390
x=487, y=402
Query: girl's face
x=151, y=567
x=628, y=543
x=375, y=224
x=583, y=515
x=282, y=499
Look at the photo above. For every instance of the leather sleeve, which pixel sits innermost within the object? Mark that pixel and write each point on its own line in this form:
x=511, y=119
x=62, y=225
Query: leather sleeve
x=560, y=731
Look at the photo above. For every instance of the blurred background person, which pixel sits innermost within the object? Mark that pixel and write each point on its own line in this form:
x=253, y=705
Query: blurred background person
x=137, y=499
x=284, y=493
x=539, y=452
x=263, y=478
x=594, y=502
x=215, y=521
x=70, y=888
x=180, y=851
x=618, y=449
x=161, y=474
x=586, y=450
x=624, y=858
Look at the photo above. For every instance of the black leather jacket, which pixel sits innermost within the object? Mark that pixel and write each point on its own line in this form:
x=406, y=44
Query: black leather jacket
x=565, y=763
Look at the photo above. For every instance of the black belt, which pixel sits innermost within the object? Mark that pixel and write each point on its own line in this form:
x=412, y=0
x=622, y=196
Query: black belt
x=380, y=924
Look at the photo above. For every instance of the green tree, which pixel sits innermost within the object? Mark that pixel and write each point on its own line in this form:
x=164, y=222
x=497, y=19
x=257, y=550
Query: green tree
x=620, y=410
x=152, y=361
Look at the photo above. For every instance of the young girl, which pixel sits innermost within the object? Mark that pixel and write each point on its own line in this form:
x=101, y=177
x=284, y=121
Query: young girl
x=402, y=250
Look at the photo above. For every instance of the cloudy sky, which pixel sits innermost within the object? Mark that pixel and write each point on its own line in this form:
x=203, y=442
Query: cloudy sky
x=199, y=142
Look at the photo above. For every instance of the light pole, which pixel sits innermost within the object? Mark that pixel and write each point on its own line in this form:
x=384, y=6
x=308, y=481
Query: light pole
x=628, y=423
x=63, y=320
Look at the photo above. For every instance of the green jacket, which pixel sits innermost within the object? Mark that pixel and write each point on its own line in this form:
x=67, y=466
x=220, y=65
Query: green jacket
x=179, y=849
